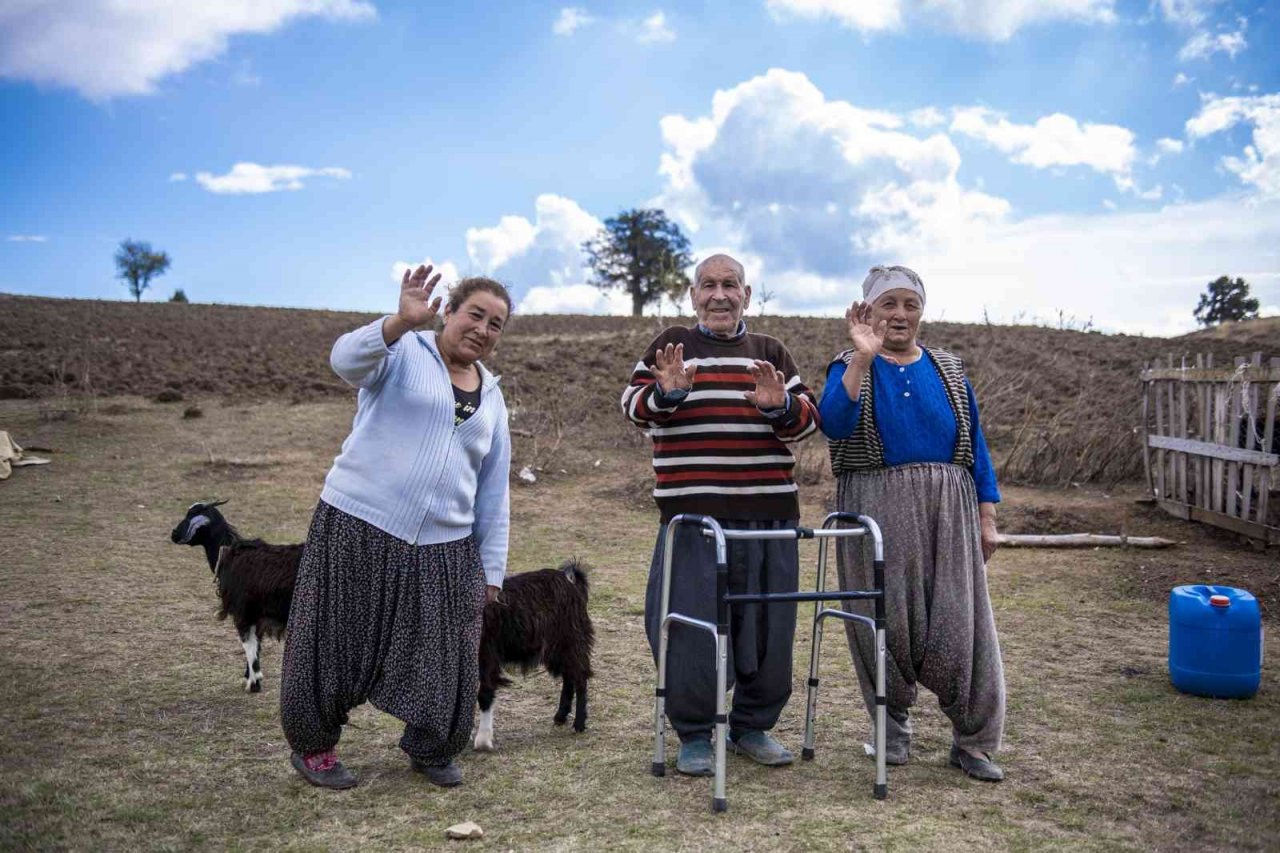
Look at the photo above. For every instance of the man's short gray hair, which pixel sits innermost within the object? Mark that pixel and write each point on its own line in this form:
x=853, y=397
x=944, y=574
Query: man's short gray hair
x=742, y=271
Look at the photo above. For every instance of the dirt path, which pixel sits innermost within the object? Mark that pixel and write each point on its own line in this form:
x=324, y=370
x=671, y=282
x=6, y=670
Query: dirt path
x=126, y=726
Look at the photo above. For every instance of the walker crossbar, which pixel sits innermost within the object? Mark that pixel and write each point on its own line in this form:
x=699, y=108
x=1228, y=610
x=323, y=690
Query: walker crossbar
x=710, y=528
x=797, y=597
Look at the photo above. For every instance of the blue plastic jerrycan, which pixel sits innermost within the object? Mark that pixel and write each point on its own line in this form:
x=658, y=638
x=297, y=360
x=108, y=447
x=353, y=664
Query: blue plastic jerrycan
x=1215, y=641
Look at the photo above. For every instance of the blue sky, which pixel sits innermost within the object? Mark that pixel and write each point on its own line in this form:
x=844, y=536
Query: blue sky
x=1086, y=159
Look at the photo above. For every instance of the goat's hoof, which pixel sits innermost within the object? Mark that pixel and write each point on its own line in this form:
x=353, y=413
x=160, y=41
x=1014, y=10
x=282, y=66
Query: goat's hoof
x=253, y=686
x=580, y=727
x=483, y=744
x=559, y=720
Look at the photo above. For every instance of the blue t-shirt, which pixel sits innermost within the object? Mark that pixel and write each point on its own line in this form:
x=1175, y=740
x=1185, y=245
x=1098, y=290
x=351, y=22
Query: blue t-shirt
x=913, y=415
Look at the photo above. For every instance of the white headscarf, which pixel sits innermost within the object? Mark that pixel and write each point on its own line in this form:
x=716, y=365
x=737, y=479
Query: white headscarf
x=880, y=280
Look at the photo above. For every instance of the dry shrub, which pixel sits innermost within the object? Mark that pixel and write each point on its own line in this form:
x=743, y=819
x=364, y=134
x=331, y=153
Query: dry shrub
x=1088, y=436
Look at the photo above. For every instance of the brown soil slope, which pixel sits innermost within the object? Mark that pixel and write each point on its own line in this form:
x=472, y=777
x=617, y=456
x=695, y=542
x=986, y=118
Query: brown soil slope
x=1059, y=406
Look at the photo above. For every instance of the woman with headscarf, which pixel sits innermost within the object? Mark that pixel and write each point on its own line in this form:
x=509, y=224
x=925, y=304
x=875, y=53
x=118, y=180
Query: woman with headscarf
x=907, y=450
x=410, y=530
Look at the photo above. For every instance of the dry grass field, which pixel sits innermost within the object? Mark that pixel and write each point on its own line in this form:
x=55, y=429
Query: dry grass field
x=125, y=725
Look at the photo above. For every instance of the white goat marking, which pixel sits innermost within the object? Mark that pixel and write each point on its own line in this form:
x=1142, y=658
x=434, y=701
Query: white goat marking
x=192, y=526
x=484, y=734
x=252, y=668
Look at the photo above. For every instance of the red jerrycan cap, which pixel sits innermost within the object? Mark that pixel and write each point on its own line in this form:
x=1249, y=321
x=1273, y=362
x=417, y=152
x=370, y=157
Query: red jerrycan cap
x=1219, y=601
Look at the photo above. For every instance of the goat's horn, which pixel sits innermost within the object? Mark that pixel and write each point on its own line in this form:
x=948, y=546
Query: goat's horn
x=217, y=503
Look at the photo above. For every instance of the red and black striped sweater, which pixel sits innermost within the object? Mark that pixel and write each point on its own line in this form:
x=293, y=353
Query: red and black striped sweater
x=714, y=453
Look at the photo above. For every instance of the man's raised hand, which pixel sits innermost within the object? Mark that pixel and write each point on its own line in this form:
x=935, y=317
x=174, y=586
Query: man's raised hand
x=771, y=389
x=417, y=308
x=670, y=371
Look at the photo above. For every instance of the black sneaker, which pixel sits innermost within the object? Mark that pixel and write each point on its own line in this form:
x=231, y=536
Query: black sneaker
x=983, y=769
x=446, y=776
x=327, y=774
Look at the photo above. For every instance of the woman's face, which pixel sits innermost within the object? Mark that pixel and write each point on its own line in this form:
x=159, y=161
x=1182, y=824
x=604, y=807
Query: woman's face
x=902, y=309
x=472, y=332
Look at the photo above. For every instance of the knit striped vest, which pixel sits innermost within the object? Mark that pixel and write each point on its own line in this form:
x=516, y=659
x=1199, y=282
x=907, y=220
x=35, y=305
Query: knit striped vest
x=864, y=449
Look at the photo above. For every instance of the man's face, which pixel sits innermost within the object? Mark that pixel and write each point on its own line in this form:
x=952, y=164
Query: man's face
x=719, y=296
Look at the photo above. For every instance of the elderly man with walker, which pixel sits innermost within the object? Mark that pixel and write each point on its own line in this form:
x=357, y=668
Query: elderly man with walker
x=722, y=405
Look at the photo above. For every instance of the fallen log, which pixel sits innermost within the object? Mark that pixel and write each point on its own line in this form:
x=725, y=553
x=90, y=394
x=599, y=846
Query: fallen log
x=1080, y=540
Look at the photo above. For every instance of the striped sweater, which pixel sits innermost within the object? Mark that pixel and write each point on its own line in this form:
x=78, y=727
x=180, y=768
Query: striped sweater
x=714, y=453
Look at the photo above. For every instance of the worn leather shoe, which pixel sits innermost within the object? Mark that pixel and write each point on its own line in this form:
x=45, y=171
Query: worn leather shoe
x=325, y=771
x=979, y=768
x=895, y=754
x=761, y=748
x=696, y=758
x=446, y=776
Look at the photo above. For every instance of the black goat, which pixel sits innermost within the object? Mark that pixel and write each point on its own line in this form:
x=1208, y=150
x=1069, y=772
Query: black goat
x=540, y=619
x=255, y=580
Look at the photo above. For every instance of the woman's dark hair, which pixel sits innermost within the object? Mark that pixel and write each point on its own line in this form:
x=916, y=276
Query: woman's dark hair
x=461, y=291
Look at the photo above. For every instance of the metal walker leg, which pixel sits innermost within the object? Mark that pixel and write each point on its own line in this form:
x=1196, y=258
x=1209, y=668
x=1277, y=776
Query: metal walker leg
x=877, y=624
x=720, y=631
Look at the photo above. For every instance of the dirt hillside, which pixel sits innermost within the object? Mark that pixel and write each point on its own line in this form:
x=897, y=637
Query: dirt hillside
x=1058, y=406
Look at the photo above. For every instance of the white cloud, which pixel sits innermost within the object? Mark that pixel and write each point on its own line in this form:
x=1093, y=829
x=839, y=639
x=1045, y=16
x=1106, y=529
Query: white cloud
x=574, y=299
x=809, y=185
x=993, y=20
x=1259, y=163
x=654, y=30
x=177, y=177
x=26, y=238
x=1134, y=272
x=448, y=271
x=1187, y=13
x=543, y=253
x=570, y=20
x=1181, y=79
x=862, y=15
x=492, y=247
x=251, y=178
x=813, y=191
x=1054, y=140
x=1203, y=45
x=108, y=48
x=1165, y=146
x=927, y=117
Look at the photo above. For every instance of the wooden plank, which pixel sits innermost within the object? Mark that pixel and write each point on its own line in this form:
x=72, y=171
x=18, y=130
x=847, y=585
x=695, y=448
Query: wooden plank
x=1233, y=440
x=1268, y=438
x=1146, y=431
x=1080, y=540
x=1251, y=427
x=1160, y=492
x=1252, y=529
x=1182, y=433
x=1171, y=411
x=1202, y=463
x=1209, y=374
x=1213, y=450
x=1217, y=429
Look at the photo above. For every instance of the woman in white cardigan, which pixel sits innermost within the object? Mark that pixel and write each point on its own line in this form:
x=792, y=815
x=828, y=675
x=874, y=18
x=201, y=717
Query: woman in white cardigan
x=409, y=537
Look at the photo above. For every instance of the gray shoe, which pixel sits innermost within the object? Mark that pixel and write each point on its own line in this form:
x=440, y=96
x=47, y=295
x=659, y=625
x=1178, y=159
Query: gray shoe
x=979, y=768
x=446, y=776
x=761, y=748
x=895, y=754
x=696, y=758
x=334, y=776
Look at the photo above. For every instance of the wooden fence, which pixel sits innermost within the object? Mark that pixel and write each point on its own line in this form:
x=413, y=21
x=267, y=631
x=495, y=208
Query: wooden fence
x=1211, y=450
